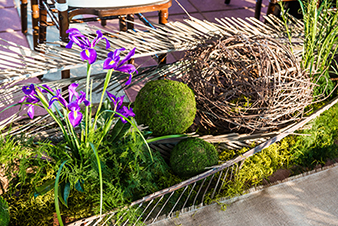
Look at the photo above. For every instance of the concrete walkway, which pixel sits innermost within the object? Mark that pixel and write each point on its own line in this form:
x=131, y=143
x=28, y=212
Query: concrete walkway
x=300, y=201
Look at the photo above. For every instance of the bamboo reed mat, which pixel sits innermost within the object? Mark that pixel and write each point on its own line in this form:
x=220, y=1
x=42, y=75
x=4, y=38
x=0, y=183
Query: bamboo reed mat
x=307, y=199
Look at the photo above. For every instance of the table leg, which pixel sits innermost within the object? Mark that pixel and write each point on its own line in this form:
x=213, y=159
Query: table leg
x=35, y=21
x=163, y=19
x=42, y=23
x=258, y=9
x=64, y=25
x=130, y=17
x=23, y=10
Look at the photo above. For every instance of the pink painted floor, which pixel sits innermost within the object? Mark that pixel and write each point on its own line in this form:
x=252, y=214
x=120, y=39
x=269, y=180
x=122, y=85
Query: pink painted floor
x=10, y=25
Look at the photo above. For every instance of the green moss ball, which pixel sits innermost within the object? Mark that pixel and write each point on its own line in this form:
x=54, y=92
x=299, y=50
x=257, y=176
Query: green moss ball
x=166, y=106
x=190, y=157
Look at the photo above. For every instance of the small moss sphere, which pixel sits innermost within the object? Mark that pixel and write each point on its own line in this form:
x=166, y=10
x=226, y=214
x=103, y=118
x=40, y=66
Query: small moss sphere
x=166, y=106
x=190, y=157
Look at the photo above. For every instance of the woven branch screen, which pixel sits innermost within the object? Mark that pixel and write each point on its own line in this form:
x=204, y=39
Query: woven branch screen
x=250, y=82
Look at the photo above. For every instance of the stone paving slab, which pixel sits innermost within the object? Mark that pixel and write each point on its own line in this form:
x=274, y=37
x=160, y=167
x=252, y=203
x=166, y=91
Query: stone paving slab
x=310, y=200
x=10, y=20
x=14, y=36
x=6, y=3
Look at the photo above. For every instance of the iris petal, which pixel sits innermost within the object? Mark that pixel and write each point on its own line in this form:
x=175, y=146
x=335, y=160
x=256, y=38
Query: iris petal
x=69, y=45
x=89, y=54
x=117, y=52
x=107, y=65
x=97, y=38
x=82, y=98
x=29, y=90
x=30, y=111
x=51, y=101
x=46, y=88
x=117, y=101
x=72, y=30
x=59, y=98
x=107, y=43
x=74, y=106
x=72, y=91
x=129, y=80
x=128, y=56
x=23, y=99
x=127, y=68
x=126, y=113
x=75, y=118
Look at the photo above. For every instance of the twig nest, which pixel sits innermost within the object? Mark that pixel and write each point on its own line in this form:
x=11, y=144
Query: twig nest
x=191, y=156
x=250, y=82
x=166, y=106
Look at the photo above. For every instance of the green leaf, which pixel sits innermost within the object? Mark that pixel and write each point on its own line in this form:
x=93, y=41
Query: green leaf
x=146, y=134
x=100, y=175
x=66, y=193
x=56, y=189
x=78, y=186
x=119, y=130
x=61, y=188
x=44, y=188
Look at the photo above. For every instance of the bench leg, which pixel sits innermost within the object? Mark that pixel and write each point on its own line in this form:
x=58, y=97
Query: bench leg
x=122, y=23
x=103, y=22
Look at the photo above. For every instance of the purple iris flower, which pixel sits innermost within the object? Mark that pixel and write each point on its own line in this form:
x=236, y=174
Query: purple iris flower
x=88, y=52
x=113, y=62
x=32, y=98
x=58, y=97
x=117, y=101
x=79, y=98
x=74, y=115
x=29, y=90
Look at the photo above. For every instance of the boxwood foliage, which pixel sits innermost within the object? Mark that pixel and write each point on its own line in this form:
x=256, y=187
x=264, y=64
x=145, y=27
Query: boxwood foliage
x=4, y=212
x=166, y=106
x=320, y=142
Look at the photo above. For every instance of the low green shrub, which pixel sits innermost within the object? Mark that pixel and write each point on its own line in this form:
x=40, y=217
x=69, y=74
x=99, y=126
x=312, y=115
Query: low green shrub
x=191, y=156
x=4, y=212
x=130, y=172
x=320, y=142
x=166, y=106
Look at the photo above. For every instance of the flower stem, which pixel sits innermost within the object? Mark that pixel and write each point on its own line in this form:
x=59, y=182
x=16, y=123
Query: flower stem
x=87, y=117
x=106, y=82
